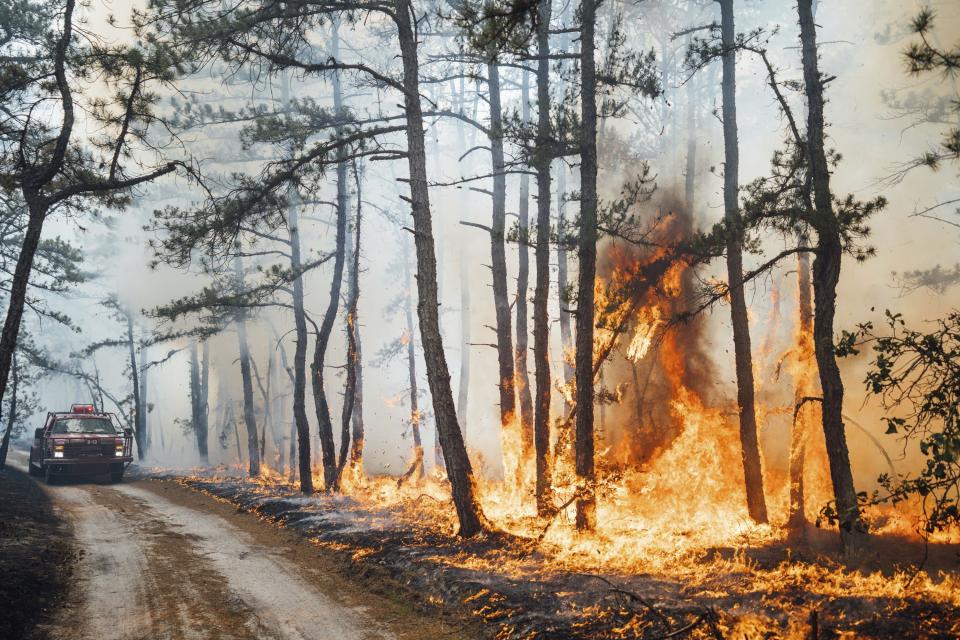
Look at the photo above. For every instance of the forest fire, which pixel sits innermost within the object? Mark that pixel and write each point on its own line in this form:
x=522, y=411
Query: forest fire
x=568, y=319
x=671, y=503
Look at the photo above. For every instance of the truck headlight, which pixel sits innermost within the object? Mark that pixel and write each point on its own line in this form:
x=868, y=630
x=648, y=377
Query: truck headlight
x=58, y=454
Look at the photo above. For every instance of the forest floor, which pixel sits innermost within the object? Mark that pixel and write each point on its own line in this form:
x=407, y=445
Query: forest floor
x=519, y=591
x=157, y=561
x=36, y=556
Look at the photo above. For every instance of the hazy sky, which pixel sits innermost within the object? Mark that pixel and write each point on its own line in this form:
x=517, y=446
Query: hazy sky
x=865, y=63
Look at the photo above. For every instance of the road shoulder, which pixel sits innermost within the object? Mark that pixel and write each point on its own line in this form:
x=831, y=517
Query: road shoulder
x=353, y=585
x=37, y=557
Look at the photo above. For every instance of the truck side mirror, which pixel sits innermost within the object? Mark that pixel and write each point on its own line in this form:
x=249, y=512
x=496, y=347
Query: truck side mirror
x=128, y=432
x=38, y=433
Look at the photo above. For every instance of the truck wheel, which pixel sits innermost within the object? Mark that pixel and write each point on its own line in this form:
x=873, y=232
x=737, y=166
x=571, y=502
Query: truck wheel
x=48, y=475
x=116, y=476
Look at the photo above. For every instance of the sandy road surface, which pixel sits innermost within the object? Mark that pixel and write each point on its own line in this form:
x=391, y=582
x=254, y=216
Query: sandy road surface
x=160, y=564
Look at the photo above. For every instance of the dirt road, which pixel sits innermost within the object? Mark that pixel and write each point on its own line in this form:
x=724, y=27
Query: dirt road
x=162, y=562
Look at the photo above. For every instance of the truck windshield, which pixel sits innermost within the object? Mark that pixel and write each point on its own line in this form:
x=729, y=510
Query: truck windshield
x=83, y=425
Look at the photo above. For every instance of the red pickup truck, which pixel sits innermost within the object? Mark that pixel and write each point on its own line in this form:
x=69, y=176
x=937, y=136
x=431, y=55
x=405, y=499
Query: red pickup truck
x=83, y=441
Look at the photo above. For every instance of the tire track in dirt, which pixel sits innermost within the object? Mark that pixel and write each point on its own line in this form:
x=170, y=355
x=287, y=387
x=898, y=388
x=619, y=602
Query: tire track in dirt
x=154, y=570
x=140, y=579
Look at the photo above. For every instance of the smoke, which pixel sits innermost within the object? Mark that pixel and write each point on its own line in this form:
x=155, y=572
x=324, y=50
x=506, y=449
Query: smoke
x=861, y=47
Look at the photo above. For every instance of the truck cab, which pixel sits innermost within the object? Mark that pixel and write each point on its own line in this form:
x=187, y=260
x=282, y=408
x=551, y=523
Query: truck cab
x=83, y=441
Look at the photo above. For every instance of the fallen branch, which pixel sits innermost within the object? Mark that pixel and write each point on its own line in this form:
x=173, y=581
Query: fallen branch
x=637, y=598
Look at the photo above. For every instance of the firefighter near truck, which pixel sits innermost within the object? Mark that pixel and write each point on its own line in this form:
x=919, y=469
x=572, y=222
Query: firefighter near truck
x=81, y=442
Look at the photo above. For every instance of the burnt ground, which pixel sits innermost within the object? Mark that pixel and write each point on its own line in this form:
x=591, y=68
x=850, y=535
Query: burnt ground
x=759, y=595
x=37, y=557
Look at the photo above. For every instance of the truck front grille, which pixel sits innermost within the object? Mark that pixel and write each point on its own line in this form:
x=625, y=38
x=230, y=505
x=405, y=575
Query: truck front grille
x=88, y=450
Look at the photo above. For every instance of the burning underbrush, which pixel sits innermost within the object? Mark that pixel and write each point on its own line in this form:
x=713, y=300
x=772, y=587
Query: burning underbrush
x=633, y=578
x=675, y=553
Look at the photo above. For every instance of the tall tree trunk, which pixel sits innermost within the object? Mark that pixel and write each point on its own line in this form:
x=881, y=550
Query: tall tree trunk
x=356, y=452
x=300, y=429
x=144, y=402
x=750, y=447
x=416, y=466
x=351, y=446
x=327, y=446
x=205, y=398
x=541, y=295
x=134, y=375
x=501, y=301
x=12, y=414
x=826, y=275
x=459, y=471
x=804, y=384
x=463, y=393
x=796, y=520
x=249, y=416
x=198, y=404
x=586, y=519
x=300, y=445
x=523, y=277
x=325, y=428
x=563, y=283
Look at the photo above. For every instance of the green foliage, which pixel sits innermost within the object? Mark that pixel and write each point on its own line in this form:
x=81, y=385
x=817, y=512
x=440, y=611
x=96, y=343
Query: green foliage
x=923, y=57
x=228, y=297
x=495, y=26
x=86, y=152
x=916, y=377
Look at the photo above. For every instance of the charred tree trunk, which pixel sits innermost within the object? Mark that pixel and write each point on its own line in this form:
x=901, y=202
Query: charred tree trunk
x=523, y=278
x=356, y=451
x=501, y=301
x=459, y=471
x=144, y=397
x=416, y=466
x=352, y=447
x=327, y=445
x=205, y=401
x=826, y=275
x=12, y=414
x=750, y=446
x=541, y=296
x=796, y=520
x=249, y=417
x=197, y=405
x=300, y=429
x=586, y=519
x=563, y=283
x=805, y=383
x=299, y=445
x=265, y=392
x=138, y=423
